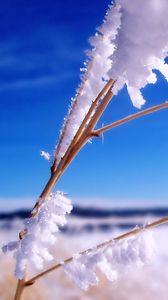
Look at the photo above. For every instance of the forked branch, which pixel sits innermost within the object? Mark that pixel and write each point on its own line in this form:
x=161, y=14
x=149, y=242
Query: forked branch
x=79, y=140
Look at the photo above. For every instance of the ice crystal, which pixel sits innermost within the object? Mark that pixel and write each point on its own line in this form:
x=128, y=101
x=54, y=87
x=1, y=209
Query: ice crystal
x=44, y=154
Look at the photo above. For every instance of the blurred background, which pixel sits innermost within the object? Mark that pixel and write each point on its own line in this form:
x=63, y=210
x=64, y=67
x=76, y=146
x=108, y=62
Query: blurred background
x=115, y=182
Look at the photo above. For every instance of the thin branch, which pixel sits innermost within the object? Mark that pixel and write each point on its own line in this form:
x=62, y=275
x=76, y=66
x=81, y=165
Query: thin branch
x=19, y=290
x=97, y=116
x=147, y=111
x=79, y=92
x=87, y=133
x=108, y=86
x=100, y=110
x=132, y=232
x=71, y=151
x=83, y=125
x=54, y=166
x=81, y=137
x=76, y=144
x=84, y=122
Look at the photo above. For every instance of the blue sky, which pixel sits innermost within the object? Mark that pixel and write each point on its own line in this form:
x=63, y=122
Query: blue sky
x=42, y=47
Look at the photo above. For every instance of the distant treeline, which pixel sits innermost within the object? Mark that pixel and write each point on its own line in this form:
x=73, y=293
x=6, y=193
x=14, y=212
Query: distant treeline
x=94, y=212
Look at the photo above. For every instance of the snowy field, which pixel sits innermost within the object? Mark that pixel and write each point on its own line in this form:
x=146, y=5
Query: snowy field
x=147, y=283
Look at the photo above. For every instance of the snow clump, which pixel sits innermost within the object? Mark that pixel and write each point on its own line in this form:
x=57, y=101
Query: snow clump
x=129, y=46
x=41, y=233
x=116, y=258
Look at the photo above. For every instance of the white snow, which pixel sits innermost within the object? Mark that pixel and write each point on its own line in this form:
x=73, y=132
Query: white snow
x=93, y=79
x=146, y=283
x=113, y=260
x=44, y=154
x=131, y=43
x=142, y=46
x=33, y=249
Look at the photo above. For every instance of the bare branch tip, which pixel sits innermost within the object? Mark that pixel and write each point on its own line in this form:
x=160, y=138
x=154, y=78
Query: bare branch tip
x=94, y=134
x=29, y=283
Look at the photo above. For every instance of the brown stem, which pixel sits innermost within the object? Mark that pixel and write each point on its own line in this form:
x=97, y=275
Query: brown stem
x=86, y=135
x=78, y=142
x=73, y=149
x=76, y=147
x=79, y=92
x=147, y=111
x=118, y=238
x=96, y=117
x=83, y=134
x=81, y=137
x=92, y=108
x=19, y=289
x=84, y=122
x=100, y=110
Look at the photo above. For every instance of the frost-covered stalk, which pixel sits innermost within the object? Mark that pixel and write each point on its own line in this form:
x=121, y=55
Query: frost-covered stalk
x=114, y=259
x=24, y=282
x=94, y=75
x=132, y=233
x=127, y=47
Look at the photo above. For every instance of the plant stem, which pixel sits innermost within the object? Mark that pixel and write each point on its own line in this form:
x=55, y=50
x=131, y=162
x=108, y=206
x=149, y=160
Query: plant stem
x=73, y=149
x=147, y=111
x=118, y=238
x=87, y=134
x=84, y=122
x=19, y=289
x=100, y=110
x=106, y=88
x=84, y=133
x=81, y=137
x=77, y=143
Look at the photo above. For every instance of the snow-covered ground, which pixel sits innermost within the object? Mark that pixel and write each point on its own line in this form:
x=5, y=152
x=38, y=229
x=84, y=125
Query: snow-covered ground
x=147, y=283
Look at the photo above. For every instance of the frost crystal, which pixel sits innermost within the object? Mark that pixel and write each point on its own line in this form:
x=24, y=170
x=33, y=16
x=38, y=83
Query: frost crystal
x=44, y=154
x=128, y=47
x=41, y=233
x=113, y=260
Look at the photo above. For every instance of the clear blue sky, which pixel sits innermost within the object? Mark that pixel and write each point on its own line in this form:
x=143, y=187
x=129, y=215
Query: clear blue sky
x=42, y=47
